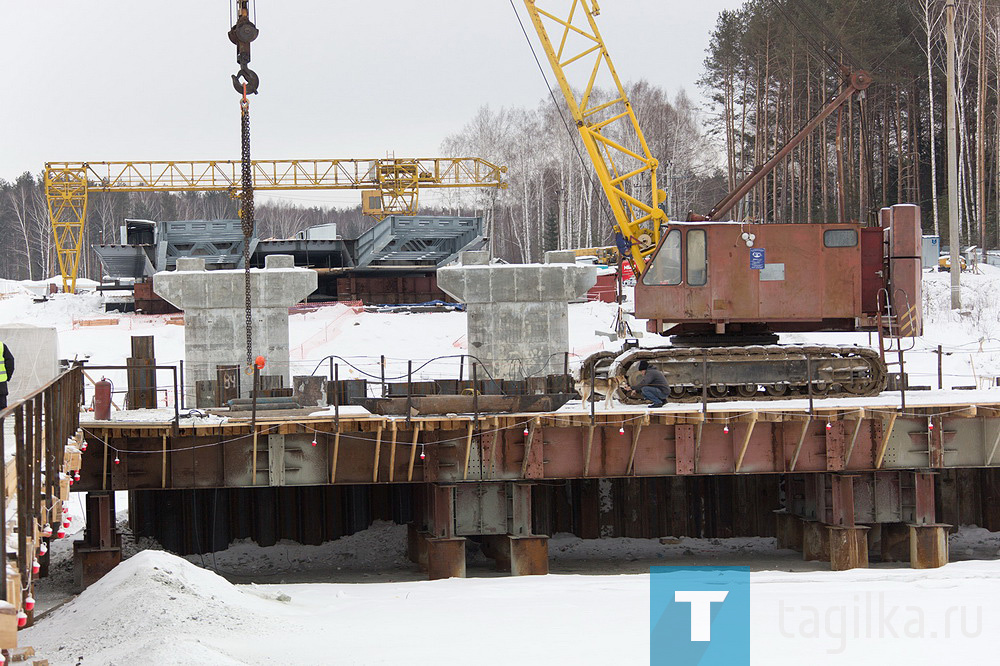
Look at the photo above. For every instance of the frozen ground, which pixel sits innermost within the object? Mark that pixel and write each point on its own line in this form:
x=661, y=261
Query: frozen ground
x=276, y=604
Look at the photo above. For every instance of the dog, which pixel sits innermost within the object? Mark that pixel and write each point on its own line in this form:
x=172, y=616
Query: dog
x=606, y=386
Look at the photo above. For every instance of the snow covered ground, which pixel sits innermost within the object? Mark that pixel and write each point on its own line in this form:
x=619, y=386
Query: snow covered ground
x=270, y=605
x=179, y=613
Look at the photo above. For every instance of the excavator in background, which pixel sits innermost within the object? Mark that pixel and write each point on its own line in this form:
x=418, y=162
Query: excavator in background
x=724, y=290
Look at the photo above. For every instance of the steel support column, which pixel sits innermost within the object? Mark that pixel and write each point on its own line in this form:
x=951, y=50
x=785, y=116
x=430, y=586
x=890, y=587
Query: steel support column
x=100, y=551
x=815, y=541
x=789, y=530
x=928, y=538
x=445, y=551
x=529, y=553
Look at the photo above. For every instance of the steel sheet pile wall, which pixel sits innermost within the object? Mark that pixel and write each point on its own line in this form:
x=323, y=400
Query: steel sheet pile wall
x=205, y=520
x=716, y=506
x=200, y=521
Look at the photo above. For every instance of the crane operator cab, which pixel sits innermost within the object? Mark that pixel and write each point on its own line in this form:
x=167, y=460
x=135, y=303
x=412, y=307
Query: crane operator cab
x=730, y=283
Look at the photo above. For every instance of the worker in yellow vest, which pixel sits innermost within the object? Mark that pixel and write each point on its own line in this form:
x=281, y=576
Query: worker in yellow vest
x=6, y=372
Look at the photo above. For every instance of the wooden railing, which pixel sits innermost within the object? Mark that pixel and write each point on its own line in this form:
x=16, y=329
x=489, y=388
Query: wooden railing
x=40, y=437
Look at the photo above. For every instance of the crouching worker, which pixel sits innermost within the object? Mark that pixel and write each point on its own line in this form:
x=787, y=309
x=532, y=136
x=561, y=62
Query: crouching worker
x=652, y=385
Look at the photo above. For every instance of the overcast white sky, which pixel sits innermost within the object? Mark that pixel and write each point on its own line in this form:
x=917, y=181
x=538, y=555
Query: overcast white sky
x=138, y=80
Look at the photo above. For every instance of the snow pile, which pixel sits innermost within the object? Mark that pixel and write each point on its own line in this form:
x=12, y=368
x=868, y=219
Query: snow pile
x=973, y=543
x=158, y=606
x=569, y=547
x=382, y=546
x=57, y=310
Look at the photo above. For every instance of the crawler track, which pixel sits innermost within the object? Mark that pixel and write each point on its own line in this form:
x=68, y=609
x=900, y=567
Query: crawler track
x=770, y=372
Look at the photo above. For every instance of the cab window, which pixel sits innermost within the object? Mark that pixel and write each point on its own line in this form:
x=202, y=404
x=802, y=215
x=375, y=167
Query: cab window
x=665, y=268
x=840, y=238
x=697, y=258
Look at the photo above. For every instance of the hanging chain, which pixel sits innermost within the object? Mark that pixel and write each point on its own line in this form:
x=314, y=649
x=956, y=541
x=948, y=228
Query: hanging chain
x=245, y=82
x=246, y=217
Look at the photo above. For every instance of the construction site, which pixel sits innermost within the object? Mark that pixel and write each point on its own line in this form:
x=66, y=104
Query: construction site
x=382, y=446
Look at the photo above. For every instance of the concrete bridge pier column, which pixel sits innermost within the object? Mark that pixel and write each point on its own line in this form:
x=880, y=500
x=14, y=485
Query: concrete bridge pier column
x=518, y=314
x=215, y=318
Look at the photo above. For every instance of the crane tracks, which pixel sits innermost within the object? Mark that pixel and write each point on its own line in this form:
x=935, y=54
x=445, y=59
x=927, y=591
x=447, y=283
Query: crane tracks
x=760, y=372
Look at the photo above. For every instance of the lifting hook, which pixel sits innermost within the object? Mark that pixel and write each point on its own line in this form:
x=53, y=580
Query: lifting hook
x=249, y=79
x=241, y=34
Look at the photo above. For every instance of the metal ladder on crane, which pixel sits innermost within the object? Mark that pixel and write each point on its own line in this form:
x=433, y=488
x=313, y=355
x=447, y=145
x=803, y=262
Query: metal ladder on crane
x=896, y=321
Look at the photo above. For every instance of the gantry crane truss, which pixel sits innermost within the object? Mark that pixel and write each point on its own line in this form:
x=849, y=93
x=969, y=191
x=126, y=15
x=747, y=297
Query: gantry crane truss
x=581, y=62
x=394, y=182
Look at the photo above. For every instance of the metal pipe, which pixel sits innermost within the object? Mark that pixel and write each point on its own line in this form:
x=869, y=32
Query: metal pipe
x=809, y=382
x=409, y=389
x=177, y=407
x=940, y=354
x=954, y=238
x=475, y=388
x=593, y=387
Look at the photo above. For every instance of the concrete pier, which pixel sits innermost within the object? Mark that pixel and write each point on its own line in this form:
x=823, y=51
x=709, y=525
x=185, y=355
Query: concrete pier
x=214, y=317
x=518, y=314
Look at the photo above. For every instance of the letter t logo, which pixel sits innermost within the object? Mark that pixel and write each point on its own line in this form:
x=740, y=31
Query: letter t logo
x=701, y=611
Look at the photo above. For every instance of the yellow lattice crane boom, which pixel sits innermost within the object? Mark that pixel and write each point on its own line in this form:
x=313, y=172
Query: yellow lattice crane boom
x=390, y=186
x=581, y=63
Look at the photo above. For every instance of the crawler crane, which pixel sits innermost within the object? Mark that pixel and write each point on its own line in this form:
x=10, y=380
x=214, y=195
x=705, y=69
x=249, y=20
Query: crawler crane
x=721, y=289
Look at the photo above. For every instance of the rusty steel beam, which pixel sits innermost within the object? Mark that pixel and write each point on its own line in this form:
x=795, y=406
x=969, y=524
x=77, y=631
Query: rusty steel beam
x=557, y=447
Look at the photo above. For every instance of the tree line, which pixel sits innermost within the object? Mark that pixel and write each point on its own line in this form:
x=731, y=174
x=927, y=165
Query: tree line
x=772, y=65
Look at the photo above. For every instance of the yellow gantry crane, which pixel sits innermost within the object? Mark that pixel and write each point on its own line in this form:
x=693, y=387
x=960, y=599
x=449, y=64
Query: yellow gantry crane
x=389, y=186
x=580, y=60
